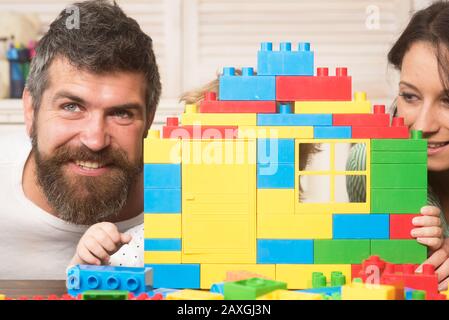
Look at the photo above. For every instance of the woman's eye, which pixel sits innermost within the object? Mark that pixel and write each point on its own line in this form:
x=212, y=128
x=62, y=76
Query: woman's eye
x=408, y=97
x=72, y=107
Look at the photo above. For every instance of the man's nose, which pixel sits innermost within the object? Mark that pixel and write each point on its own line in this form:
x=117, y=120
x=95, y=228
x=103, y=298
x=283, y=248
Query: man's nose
x=426, y=120
x=95, y=135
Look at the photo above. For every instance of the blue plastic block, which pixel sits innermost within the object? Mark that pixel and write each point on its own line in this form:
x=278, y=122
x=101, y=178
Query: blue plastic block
x=332, y=132
x=162, y=176
x=324, y=290
x=275, y=151
x=217, y=288
x=277, y=119
x=162, y=201
x=183, y=276
x=285, y=61
x=284, y=251
x=162, y=291
x=408, y=293
x=361, y=226
x=276, y=176
x=81, y=278
x=247, y=86
x=162, y=244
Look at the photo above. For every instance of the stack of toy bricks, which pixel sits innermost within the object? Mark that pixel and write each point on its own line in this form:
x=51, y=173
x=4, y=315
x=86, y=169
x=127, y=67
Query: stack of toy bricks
x=222, y=188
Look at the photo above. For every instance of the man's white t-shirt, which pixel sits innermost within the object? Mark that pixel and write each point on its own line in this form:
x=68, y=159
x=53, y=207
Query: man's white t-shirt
x=33, y=243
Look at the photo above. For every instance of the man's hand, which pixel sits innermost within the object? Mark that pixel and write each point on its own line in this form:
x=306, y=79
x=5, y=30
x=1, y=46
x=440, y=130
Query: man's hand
x=440, y=259
x=99, y=242
x=428, y=231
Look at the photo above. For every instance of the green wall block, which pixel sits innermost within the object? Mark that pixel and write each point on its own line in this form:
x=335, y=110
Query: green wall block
x=340, y=251
x=398, y=145
x=250, y=289
x=400, y=176
x=399, y=251
x=105, y=295
x=398, y=157
x=398, y=200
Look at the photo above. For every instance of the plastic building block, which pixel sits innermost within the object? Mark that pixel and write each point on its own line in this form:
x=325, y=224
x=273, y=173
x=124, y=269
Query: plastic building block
x=210, y=104
x=290, y=295
x=282, y=176
x=362, y=291
x=275, y=201
x=162, y=200
x=397, y=131
x=332, y=132
x=275, y=132
x=401, y=225
x=299, y=276
x=399, y=176
x=284, y=251
x=361, y=226
x=398, y=200
x=162, y=225
x=321, y=87
x=327, y=291
x=217, y=288
x=285, y=117
x=399, y=144
x=250, y=289
x=294, y=226
x=358, y=106
x=162, y=176
x=162, y=244
x=161, y=291
x=248, y=86
x=340, y=251
x=81, y=278
x=162, y=257
x=398, y=157
x=215, y=273
x=427, y=280
x=192, y=117
x=275, y=151
x=157, y=150
x=105, y=295
x=2, y=297
x=285, y=61
x=377, y=119
x=319, y=280
x=189, y=294
x=185, y=276
x=399, y=251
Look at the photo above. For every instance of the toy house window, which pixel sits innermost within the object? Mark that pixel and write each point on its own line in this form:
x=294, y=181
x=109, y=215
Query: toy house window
x=327, y=174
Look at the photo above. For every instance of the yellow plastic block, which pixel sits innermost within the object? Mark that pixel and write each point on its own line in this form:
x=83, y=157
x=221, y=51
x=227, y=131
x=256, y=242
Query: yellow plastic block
x=188, y=294
x=219, y=202
x=275, y=132
x=156, y=150
x=275, y=201
x=2, y=297
x=359, y=105
x=162, y=225
x=363, y=291
x=215, y=273
x=219, y=119
x=162, y=257
x=299, y=276
x=294, y=226
x=290, y=295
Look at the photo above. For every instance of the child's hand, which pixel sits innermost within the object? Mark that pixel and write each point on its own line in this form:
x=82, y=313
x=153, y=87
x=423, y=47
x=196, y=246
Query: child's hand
x=429, y=231
x=99, y=242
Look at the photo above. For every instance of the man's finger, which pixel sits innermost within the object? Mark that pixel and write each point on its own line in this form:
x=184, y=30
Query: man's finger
x=432, y=243
x=442, y=286
x=430, y=211
x=426, y=221
x=443, y=270
x=427, y=232
x=436, y=259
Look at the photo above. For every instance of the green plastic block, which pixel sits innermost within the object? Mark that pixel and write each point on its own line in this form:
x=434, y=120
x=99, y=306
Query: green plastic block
x=340, y=251
x=105, y=295
x=399, y=251
x=398, y=145
x=418, y=295
x=250, y=289
x=398, y=200
x=318, y=280
x=400, y=176
x=338, y=279
x=398, y=157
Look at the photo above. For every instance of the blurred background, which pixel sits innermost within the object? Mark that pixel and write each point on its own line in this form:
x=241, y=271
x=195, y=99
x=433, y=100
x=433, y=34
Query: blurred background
x=195, y=39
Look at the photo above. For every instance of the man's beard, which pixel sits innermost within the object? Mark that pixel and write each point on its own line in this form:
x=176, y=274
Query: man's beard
x=81, y=199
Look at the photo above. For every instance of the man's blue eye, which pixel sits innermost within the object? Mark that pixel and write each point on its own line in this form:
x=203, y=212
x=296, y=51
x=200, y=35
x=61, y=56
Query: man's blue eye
x=72, y=107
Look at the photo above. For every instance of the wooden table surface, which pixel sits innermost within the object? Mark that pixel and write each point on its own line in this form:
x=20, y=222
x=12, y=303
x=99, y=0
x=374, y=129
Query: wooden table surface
x=30, y=288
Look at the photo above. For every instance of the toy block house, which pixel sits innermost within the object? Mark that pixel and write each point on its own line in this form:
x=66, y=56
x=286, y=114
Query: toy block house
x=285, y=173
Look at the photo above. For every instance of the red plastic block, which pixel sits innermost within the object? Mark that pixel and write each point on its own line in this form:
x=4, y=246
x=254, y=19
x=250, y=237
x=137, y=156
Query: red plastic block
x=396, y=131
x=426, y=281
x=322, y=87
x=173, y=131
x=355, y=270
x=401, y=225
x=210, y=104
x=378, y=119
